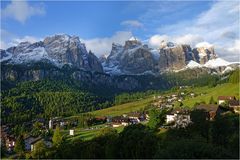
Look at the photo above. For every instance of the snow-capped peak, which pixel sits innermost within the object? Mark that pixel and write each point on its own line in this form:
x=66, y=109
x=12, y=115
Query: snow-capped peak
x=165, y=44
x=193, y=64
x=213, y=63
x=133, y=39
x=204, y=45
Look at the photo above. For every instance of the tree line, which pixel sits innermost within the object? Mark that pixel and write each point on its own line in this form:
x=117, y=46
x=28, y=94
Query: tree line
x=201, y=139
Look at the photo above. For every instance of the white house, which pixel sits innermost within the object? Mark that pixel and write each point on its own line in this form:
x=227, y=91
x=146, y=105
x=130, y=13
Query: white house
x=116, y=125
x=50, y=124
x=192, y=94
x=125, y=123
x=223, y=99
x=71, y=132
x=170, y=118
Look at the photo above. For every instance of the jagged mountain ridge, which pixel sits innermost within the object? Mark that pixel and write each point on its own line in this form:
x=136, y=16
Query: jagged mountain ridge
x=131, y=58
x=65, y=57
x=136, y=58
x=57, y=49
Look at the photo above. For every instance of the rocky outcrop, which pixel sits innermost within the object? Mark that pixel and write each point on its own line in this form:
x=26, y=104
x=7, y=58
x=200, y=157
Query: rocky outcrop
x=175, y=57
x=132, y=58
x=129, y=59
x=136, y=58
x=18, y=73
x=204, y=54
x=57, y=49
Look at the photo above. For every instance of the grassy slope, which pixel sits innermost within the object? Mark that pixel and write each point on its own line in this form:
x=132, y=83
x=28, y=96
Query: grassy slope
x=86, y=134
x=224, y=89
x=124, y=108
x=220, y=90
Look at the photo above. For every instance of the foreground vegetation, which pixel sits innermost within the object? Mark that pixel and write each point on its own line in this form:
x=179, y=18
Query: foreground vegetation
x=201, y=139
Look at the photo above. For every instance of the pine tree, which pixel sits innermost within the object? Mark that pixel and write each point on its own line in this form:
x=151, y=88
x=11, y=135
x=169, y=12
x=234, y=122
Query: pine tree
x=234, y=77
x=211, y=101
x=39, y=150
x=57, y=138
x=20, y=145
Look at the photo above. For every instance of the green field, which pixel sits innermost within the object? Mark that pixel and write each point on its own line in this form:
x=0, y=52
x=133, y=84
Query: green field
x=223, y=89
x=226, y=89
x=84, y=134
x=124, y=108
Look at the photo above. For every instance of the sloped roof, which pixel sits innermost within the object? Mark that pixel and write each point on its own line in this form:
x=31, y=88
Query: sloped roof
x=207, y=107
x=234, y=102
x=226, y=97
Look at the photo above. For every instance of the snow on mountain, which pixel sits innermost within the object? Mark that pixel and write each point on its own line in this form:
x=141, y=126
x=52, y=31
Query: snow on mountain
x=112, y=69
x=35, y=55
x=166, y=45
x=133, y=39
x=204, y=45
x=213, y=63
x=6, y=57
x=227, y=69
x=132, y=50
x=155, y=54
x=57, y=49
x=193, y=64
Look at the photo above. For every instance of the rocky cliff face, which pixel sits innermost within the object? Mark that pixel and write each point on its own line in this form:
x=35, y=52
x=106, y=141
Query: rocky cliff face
x=40, y=71
x=136, y=58
x=57, y=49
x=175, y=57
x=132, y=58
x=204, y=54
x=129, y=59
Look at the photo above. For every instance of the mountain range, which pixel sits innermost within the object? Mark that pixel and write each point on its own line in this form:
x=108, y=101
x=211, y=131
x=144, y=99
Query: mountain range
x=129, y=67
x=130, y=59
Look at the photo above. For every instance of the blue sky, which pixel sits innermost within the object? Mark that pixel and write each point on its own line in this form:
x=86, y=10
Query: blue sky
x=99, y=24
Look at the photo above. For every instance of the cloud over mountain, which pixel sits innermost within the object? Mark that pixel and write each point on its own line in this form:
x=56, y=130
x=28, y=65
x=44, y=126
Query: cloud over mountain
x=22, y=10
x=103, y=45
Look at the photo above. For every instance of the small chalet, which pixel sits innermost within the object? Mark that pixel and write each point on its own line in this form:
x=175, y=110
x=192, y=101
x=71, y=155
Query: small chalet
x=120, y=120
x=30, y=142
x=136, y=117
x=100, y=119
x=224, y=99
x=179, y=117
x=234, y=105
x=210, y=109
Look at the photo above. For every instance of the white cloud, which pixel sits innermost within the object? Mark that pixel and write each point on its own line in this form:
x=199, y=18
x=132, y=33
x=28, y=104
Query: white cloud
x=22, y=10
x=156, y=40
x=100, y=46
x=6, y=37
x=236, y=47
x=3, y=45
x=30, y=39
x=190, y=39
x=132, y=23
x=219, y=26
x=9, y=39
x=204, y=44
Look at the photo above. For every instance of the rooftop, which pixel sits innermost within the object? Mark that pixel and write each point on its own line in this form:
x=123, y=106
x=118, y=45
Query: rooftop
x=234, y=102
x=226, y=97
x=207, y=107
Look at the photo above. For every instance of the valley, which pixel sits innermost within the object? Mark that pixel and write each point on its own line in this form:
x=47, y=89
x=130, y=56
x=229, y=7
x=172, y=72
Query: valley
x=56, y=95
